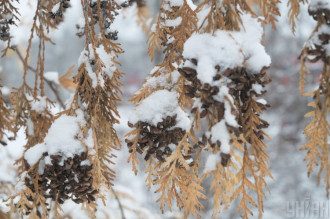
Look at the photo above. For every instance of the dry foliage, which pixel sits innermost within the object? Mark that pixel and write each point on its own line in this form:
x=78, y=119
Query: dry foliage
x=8, y=16
x=97, y=91
x=173, y=154
x=294, y=11
x=317, y=130
x=238, y=175
x=174, y=177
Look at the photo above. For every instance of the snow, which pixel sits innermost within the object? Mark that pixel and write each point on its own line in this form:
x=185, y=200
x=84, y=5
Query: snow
x=158, y=106
x=5, y=91
x=211, y=162
x=62, y=138
x=8, y=174
x=229, y=117
x=319, y=4
x=175, y=3
x=228, y=49
x=211, y=50
x=52, y=76
x=129, y=30
x=108, y=66
x=119, y=2
x=8, y=155
x=39, y=104
x=56, y=7
x=220, y=133
x=33, y=154
x=257, y=88
x=191, y=5
x=262, y=101
x=323, y=29
x=29, y=127
x=163, y=80
x=202, y=14
x=173, y=23
x=85, y=163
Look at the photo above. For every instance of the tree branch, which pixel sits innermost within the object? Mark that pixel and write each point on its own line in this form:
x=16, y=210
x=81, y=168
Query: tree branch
x=119, y=203
x=50, y=84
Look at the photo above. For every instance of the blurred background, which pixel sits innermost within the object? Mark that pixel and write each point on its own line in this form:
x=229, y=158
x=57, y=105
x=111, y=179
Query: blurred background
x=289, y=185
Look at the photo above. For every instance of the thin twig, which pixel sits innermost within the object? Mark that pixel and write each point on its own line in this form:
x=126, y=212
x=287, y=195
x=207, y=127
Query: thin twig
x=57, y=95
x=119, y=203
x=50, y=84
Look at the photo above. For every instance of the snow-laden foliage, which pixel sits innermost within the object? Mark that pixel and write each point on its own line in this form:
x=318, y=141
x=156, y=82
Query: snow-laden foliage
x=197, y=121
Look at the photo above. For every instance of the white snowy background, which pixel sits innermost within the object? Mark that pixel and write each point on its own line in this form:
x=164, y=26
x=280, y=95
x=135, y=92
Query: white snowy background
x=286, y=117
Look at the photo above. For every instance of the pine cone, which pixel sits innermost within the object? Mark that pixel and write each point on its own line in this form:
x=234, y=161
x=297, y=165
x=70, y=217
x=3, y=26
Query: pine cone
x=156, y=140
x=320, y=13
x=66, y=178
x=317, y=48
x=224, y=159
x=204, y=92
x=58, y=15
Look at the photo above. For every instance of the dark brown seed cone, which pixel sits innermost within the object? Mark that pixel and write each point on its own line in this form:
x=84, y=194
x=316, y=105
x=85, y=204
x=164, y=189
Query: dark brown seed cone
x=106, y=16
x=241, y=88
x=317, y=51
x=155, y=140
x=242, y=82
x=225, y=159
x=320, y=14
x=204, y=92
x=29, y=183
x=58, y=16
x=66, y=179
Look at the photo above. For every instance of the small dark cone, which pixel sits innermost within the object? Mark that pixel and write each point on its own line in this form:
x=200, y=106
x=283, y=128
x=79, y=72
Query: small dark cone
x=57, y=17
x=320, y=14
x=225, y=158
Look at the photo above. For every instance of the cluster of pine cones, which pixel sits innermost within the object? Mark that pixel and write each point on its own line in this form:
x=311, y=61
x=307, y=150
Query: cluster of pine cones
x=241, y=89
x=203, y=91
x=156, y=140
x=107, y=16
x=320, y=13
x=210, y=106
x=58, y=16
x=66, y=179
